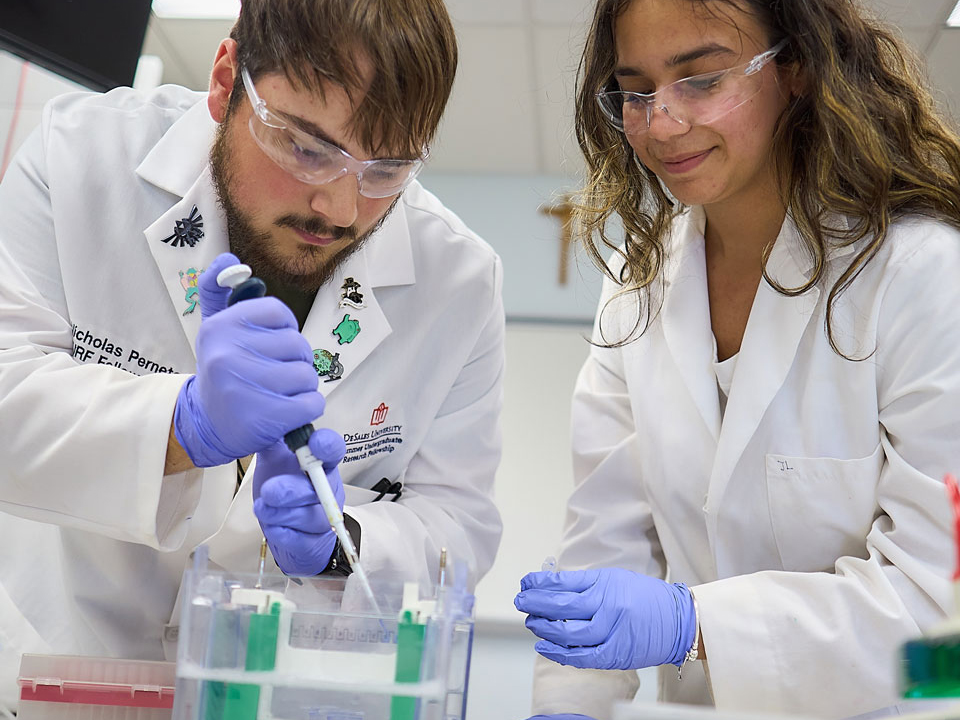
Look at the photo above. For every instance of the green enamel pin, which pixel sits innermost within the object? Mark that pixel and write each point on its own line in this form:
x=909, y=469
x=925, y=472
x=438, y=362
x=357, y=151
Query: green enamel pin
x=347, y=330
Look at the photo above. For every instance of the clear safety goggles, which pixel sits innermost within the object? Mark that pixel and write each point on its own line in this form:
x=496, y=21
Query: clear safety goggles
x=697, y=100
x=315, y=161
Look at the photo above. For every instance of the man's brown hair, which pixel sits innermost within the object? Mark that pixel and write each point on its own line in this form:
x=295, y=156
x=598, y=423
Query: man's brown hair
x=410, y=45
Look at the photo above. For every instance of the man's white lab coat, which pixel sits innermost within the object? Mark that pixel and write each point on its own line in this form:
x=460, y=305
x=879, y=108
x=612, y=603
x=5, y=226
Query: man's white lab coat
x=812, y=522
x=96, y=337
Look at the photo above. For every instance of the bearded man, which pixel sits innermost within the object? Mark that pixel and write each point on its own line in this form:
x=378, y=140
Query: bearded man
x=128, y=419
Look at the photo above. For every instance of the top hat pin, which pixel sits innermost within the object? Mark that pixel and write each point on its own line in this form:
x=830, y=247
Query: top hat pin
x=351, y=297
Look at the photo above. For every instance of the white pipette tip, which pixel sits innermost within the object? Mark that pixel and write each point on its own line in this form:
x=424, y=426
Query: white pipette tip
x=298, y=441
x=367, y=589
x=442, y=571
x=232, y=276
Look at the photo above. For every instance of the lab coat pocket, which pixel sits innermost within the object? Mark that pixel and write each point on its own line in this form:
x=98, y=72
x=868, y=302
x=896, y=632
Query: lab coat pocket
x=821, y=509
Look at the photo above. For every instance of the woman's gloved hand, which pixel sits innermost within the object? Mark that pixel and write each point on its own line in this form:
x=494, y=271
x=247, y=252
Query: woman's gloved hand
x=255, y=378
x=290, y=514
x=608, y=619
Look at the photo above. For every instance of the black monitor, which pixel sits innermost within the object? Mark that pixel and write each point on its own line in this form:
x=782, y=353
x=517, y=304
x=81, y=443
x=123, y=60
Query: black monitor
x=93, y=42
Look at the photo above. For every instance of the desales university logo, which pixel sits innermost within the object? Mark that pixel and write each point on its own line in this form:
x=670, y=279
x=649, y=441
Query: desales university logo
x=381, y=438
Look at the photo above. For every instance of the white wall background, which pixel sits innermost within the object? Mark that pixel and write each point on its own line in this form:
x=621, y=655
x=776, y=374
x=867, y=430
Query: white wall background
x=505, y=211
x=532, y=487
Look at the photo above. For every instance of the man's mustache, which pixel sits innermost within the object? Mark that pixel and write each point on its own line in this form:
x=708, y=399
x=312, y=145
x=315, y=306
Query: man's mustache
x=316, y=226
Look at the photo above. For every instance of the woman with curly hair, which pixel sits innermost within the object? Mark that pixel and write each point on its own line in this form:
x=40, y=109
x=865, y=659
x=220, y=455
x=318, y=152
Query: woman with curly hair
x=772, y=398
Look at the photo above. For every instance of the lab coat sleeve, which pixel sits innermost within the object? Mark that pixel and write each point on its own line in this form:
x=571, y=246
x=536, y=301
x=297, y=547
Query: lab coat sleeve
x=83, y=444
x=825, y=641
x=447, y=497
x=598, y=532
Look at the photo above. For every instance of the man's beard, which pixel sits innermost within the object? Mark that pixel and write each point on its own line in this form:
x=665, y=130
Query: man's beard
x=307, y=270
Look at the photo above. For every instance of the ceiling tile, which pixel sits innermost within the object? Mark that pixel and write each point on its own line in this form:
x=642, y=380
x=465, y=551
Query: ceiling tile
x=912, y=13
x=557, y=53
x=561, y=12
x=512, y=104
x=944, y=59
x=187, y=48
x=490, y=124
x=192, y=9
x=488, y=12
x=919, y=38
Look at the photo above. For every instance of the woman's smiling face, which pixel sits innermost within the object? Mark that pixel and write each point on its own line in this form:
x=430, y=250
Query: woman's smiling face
x=661, y=41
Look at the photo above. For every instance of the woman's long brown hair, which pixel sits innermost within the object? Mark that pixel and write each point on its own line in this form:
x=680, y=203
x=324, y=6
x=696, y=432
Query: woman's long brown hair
x=864, y=140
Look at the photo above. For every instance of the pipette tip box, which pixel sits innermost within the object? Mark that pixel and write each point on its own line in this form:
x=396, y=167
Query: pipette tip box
x=93, y=688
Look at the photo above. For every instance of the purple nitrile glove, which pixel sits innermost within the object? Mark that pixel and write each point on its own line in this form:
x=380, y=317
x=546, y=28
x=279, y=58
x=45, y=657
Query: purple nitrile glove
x=213, y=298
x=609, y=619
x=287, y=506
x=255, y=378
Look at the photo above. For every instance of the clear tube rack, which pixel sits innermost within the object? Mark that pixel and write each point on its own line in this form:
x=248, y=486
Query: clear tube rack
x=279, y=648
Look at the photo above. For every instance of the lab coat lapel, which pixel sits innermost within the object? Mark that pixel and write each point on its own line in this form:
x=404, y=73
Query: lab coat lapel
x=187, y=237
x=686, y=317
x=180, y=264
x=346, y=332
x=774, y=330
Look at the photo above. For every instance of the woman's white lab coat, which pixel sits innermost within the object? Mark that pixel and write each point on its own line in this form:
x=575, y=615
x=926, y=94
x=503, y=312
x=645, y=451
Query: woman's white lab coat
x=96, y=338
x=811, y=523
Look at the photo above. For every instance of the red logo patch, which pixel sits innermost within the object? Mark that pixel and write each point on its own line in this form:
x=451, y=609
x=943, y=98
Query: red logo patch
x=379, y=414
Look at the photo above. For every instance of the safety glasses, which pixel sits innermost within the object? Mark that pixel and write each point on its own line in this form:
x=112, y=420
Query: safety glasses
x=697, y=100
x=315, y=161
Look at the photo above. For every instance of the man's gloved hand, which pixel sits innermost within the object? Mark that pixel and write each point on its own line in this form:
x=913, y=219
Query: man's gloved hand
x=255, y=379
x=213, y=298
x=608, y=619
x=285, y=503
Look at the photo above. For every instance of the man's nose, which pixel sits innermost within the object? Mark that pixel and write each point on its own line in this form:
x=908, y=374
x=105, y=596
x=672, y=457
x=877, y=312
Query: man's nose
x=337, y=200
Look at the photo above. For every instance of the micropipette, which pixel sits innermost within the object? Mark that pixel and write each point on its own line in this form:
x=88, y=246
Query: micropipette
x=244, y=286
x=298, y=442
